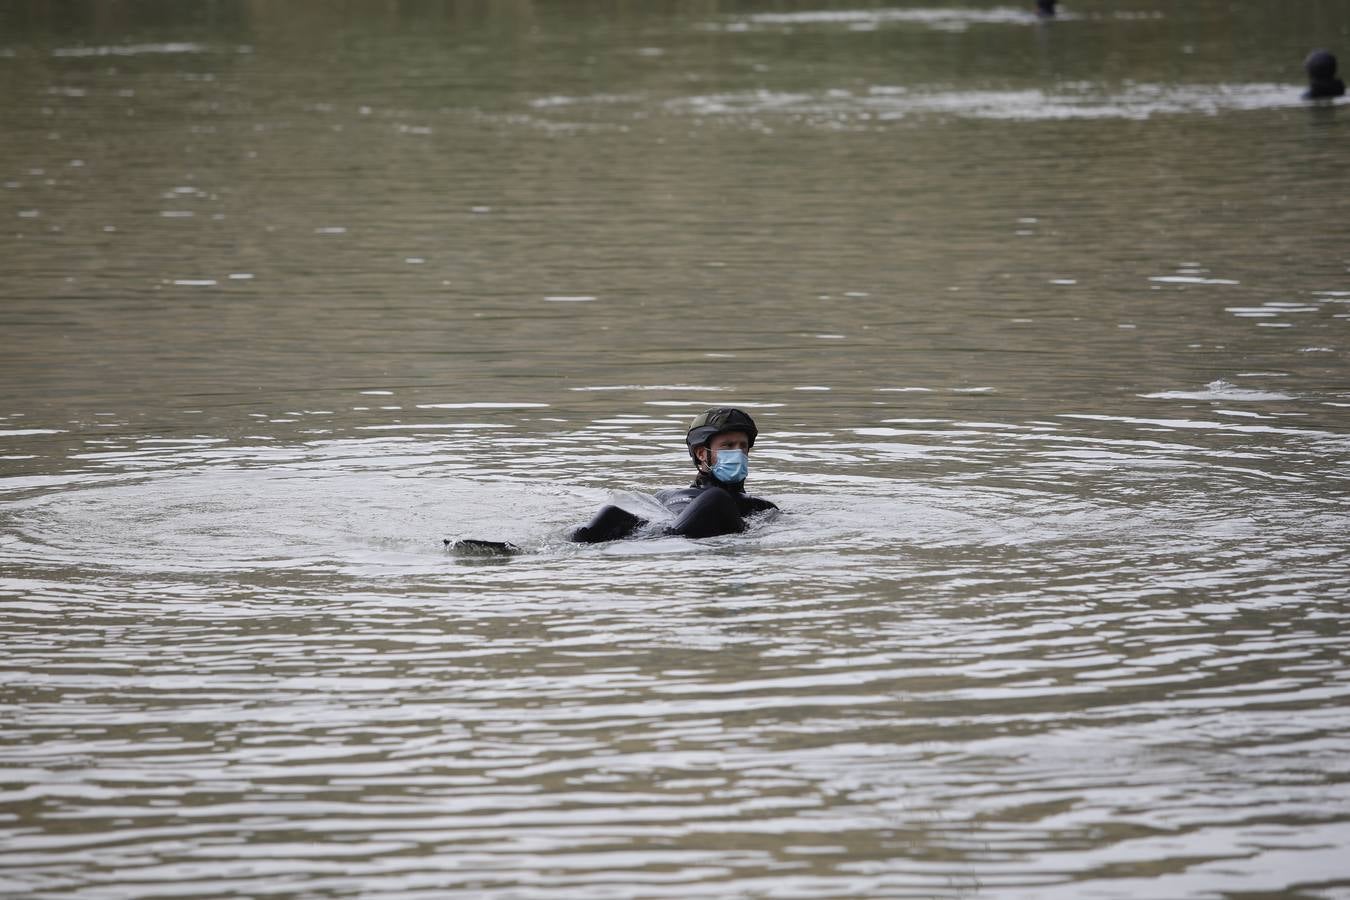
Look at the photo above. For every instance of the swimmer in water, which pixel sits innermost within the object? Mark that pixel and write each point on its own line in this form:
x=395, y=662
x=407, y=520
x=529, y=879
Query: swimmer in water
x=1322, y=81
x=719, y=442
x=1046, y=8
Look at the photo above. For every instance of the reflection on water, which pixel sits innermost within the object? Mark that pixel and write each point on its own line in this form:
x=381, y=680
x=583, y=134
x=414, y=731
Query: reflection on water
x=939, y=19
x=1044, y=327
x=883, y=104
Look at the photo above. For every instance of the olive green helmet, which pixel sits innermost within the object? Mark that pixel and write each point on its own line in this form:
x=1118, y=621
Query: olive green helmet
x=712, y=422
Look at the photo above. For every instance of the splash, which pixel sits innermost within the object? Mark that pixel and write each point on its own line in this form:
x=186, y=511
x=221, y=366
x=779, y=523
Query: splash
x=1220, y=390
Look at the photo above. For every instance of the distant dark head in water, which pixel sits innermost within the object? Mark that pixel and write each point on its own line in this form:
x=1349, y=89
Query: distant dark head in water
x=1046, y=8
x=1322, y=81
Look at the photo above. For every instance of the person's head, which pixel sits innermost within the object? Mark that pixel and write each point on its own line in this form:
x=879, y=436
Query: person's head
x=1320, y=65
x=717, y=439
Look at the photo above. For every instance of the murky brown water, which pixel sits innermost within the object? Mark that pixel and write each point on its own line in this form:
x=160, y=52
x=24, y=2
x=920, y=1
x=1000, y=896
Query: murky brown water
x=1045, y=325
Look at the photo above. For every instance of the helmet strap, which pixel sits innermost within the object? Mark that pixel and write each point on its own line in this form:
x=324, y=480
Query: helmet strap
x=704, y=465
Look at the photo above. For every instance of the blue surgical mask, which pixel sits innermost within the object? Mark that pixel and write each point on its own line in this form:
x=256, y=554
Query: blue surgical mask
x=731, y=467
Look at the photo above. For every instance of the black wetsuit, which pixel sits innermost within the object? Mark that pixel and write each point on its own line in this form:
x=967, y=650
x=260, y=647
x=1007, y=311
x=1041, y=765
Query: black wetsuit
x=706, y=508
x=1324, y=89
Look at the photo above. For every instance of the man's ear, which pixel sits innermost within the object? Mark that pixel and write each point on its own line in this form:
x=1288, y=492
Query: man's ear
x=701, y=455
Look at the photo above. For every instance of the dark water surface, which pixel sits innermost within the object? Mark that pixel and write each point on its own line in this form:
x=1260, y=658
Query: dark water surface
x=1045, y=325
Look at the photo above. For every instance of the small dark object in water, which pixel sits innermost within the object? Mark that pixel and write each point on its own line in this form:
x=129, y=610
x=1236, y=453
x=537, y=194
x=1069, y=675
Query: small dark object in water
x=476, y=547
x=1322, y=81
x=1046, y=8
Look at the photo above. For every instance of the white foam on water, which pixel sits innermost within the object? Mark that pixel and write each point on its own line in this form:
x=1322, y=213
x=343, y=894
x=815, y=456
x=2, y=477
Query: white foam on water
x=482, y=405
x=1270, y=310
x=650, y=387
x=1190, y=279
x=944, y=19
x=430, y=426
x=131, y=49
x=1220, y=390
x=883, y=103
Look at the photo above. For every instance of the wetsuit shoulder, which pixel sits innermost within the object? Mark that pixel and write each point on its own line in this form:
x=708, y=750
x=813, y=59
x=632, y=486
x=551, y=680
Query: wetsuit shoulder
x=678, y=495
x=677, y=498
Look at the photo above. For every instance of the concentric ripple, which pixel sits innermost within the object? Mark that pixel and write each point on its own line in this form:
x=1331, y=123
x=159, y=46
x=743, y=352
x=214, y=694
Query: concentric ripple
x=249, y=670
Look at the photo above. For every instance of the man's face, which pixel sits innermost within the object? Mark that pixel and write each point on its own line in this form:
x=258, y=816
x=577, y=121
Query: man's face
x=727, y=440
